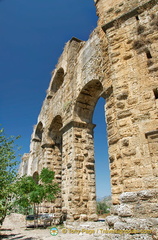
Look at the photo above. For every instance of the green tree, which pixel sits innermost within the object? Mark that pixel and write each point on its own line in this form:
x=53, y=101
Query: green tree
x=8, y=166
x=102, y=208
x=29, y=192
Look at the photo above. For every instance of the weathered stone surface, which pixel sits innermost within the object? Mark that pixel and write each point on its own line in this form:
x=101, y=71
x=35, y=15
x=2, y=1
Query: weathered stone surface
x=93, y=217
x=111, y=220
x=136, y=223
x=128, y=197
x=124, y=114
x=146, y=194
x=120, y=226
x=83, y=217
x=125, y=210
x=120, y=105
x=122, y=96
x=119, y=63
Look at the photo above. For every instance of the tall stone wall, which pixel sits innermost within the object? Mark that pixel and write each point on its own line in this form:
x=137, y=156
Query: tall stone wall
x=118, y=63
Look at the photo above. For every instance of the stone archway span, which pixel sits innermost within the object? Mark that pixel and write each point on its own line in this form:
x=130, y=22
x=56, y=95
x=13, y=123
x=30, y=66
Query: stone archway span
x=78, y=163
x=57, y=81
x=86, y=101
x=54, y=132
x=52, y=154
x=38, y=132
x=36, y=177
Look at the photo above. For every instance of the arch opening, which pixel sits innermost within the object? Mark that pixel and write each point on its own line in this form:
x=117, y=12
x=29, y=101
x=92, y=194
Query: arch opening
x=39, y=131
x=102, y=171
x=58, y=80
x=87, y=99
x=36, y=177
x=54, y=130
x=84, y=112
x=54, y=158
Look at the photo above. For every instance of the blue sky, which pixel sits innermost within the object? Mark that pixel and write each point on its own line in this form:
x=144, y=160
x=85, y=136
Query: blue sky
x=33, y=35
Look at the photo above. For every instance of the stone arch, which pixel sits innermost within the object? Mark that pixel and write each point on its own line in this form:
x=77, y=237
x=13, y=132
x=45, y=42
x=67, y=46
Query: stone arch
x=39, y=131
x=87, y=100
x=58, y=80
x=54, y=129
x=52, y=159
x=131, y=111
x=79, y=162
x=36, y=177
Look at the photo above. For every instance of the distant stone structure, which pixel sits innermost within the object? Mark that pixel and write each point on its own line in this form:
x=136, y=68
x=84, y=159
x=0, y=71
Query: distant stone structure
x=119, y=62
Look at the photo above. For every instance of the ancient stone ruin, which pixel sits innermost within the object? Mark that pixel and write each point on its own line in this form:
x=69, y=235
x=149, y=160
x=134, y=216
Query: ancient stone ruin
x=119, y=62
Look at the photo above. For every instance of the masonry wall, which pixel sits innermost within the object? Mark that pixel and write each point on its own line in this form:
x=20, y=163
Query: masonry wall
x=118, y=63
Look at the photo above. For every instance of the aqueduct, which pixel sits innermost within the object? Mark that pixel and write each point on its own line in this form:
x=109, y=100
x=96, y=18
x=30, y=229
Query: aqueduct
x=119, y=62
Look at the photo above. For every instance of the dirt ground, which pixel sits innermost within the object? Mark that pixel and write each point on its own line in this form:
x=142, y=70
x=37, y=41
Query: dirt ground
x=14, y=228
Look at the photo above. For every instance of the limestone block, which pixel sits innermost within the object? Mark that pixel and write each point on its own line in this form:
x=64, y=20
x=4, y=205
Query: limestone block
x=132, y=101
x=120, y=105
x=93, y=217
x=76, y=198
x=57, y=203
x=124, y=114
x=150, y=182
x=83, y=217
x=133, y=184
x=85, y=197
x=114, y=181
x=114, y=173
x=110, y=220
x=147, y=209
x=91, y=172
x=122, y=96
x=127, y=56
x=141, y=117
x=129, y=173
x=146, y=106
x=89, y=165
x=113, y=139
x=116, y=190
x=113, y=166
x=129, y=152
x=123, y=122
x=125, y=210
x=90, y=160
x=128, y=197
x=137, y=223
x=125, y=142
x=111, y=131
x=109, y=118
x=80, y=158
x=76, y=216
x=120, y=225
x=147, y=194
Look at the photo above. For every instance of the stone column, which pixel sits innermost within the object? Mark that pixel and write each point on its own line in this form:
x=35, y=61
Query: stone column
x=78, y=172
x=52, y=160
x=132, y=107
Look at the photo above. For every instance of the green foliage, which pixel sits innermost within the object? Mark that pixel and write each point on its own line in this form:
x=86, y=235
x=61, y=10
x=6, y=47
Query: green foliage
x=8, y=166
x=102, y=208
x=28, y=192
x=46, y=176
x=25, y=191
